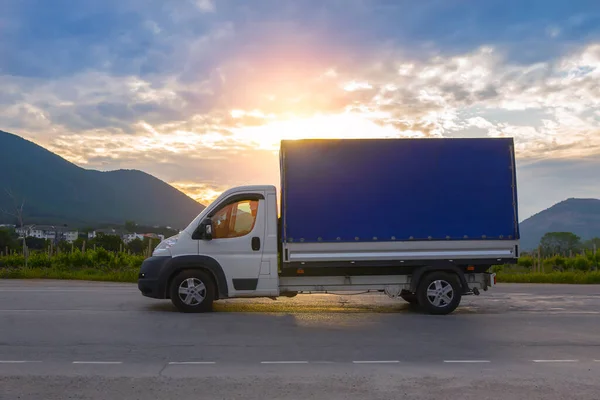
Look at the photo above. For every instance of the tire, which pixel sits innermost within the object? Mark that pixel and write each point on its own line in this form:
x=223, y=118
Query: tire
x=202, y=297
x=409, y=297
x=433, y=293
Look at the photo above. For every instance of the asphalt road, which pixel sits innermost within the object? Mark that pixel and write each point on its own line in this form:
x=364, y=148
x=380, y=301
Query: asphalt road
x=96, y=340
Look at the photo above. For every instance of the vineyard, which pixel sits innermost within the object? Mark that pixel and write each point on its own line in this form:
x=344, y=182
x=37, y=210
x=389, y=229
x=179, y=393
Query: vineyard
x=123, y=266
x=95, y=264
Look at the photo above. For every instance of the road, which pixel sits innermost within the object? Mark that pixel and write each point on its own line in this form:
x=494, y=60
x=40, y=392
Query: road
x=86, y=340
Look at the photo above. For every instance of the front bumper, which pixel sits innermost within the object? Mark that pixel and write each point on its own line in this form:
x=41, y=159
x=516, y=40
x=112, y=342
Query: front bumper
x=151, y=279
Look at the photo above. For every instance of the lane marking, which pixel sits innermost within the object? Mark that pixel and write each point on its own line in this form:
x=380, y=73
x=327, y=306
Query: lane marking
x=67, y=291
x=284, y=362
x=467, y=361
x=553, y=361
x=97, y=362
x=377, y=362
x=17, y=362
x=192, y=363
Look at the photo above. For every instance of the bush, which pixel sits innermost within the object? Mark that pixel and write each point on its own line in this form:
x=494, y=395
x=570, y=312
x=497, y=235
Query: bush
x=579, y=263
x=573, y=277
x=526, y=262
x=497, y=268
x=556, y=263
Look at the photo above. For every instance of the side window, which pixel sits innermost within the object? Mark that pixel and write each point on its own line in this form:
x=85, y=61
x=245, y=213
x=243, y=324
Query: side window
x=235, y=220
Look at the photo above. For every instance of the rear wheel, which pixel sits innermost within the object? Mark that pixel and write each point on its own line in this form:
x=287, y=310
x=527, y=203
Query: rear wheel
x=439, y=292
x=192, y=291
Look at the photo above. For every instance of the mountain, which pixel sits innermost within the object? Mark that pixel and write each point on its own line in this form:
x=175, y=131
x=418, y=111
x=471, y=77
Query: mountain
x=580, y=216
x=57, y=191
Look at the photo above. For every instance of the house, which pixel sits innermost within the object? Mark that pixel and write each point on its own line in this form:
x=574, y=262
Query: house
x=129, y=237
x=156, y=236
x=55, y=233
x=106, y=231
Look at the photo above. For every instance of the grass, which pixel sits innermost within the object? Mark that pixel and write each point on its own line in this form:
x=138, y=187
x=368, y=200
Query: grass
x=87, y=274
x=572, y=277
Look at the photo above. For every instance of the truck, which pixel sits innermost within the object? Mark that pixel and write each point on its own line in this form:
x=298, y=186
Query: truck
x=423, y=220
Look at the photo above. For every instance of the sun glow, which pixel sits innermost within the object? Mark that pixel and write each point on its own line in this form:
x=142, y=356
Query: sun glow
x=339, y=126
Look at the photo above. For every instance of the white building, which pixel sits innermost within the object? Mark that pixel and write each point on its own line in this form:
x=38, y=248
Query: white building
x=48, y=232
x=71, y=236
x=105, y=231
x=127, y=238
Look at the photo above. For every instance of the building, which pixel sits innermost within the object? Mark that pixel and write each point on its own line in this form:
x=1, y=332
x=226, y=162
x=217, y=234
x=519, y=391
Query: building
x=106, y=231
x=129, y=237
x=48, y=232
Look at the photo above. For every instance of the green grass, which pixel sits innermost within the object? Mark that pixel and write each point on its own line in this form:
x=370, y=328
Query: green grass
x=572, y=277
x=87, y=274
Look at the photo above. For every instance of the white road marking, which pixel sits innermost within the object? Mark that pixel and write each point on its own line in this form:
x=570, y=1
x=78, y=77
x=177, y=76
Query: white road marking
x=97, y=362
x=546, y=311
x=467, y=361
x=554, y=361
x=192, y=363
x=112, y=290
x=284, y=362
x=377, y=362
x=17, y=362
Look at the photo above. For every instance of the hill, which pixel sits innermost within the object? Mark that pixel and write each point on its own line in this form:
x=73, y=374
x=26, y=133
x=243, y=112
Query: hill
x=580, y=216
x=57, y=191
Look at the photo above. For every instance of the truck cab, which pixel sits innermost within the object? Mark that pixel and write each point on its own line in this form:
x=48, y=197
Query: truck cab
x=233, y=244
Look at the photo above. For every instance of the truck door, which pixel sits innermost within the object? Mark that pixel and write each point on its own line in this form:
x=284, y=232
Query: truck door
x=238, y=236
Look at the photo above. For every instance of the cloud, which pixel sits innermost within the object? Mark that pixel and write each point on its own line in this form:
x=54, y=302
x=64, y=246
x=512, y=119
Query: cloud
x=205, y=5
x=200, y=92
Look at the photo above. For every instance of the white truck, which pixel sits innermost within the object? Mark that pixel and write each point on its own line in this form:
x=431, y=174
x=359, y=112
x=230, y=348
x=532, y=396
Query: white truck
x=420, y=219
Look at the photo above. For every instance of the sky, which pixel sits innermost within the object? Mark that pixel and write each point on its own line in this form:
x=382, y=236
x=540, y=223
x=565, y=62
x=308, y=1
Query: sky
x=199, y=92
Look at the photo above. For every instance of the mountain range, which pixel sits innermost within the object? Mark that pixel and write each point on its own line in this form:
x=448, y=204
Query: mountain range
x=56, y=191
x=579, y=216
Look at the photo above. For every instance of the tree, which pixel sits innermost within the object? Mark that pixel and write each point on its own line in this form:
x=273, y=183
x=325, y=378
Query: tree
x=108, y=242
x=560, y=243
x=37, y=243
x=592, y=243
x=8, y=238
x=136, y=246
x=17, y=213
x=130, y=226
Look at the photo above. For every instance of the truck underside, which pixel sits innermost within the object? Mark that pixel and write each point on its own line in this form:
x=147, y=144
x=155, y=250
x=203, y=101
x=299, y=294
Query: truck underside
x=418, y=271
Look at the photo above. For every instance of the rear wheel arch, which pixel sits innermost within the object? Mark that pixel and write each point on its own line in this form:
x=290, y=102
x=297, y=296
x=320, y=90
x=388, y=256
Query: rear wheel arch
x=421, y=272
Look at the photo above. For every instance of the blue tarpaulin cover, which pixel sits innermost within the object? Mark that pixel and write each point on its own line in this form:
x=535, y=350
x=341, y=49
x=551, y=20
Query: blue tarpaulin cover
x=369, y=190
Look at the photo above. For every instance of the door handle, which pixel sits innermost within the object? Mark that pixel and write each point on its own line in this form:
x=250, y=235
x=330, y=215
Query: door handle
x=255, y=243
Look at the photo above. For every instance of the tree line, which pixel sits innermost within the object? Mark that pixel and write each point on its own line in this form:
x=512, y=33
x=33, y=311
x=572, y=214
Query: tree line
x=565, y=244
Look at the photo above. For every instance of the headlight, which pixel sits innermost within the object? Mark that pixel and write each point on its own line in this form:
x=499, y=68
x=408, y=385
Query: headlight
x=164, y=246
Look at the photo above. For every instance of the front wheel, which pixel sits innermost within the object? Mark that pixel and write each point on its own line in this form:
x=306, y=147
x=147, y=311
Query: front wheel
x=439, y=293
x=192, y=291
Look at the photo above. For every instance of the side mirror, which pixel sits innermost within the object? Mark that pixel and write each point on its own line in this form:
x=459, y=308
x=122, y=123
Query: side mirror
x=203, y=231
x=207, y=229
